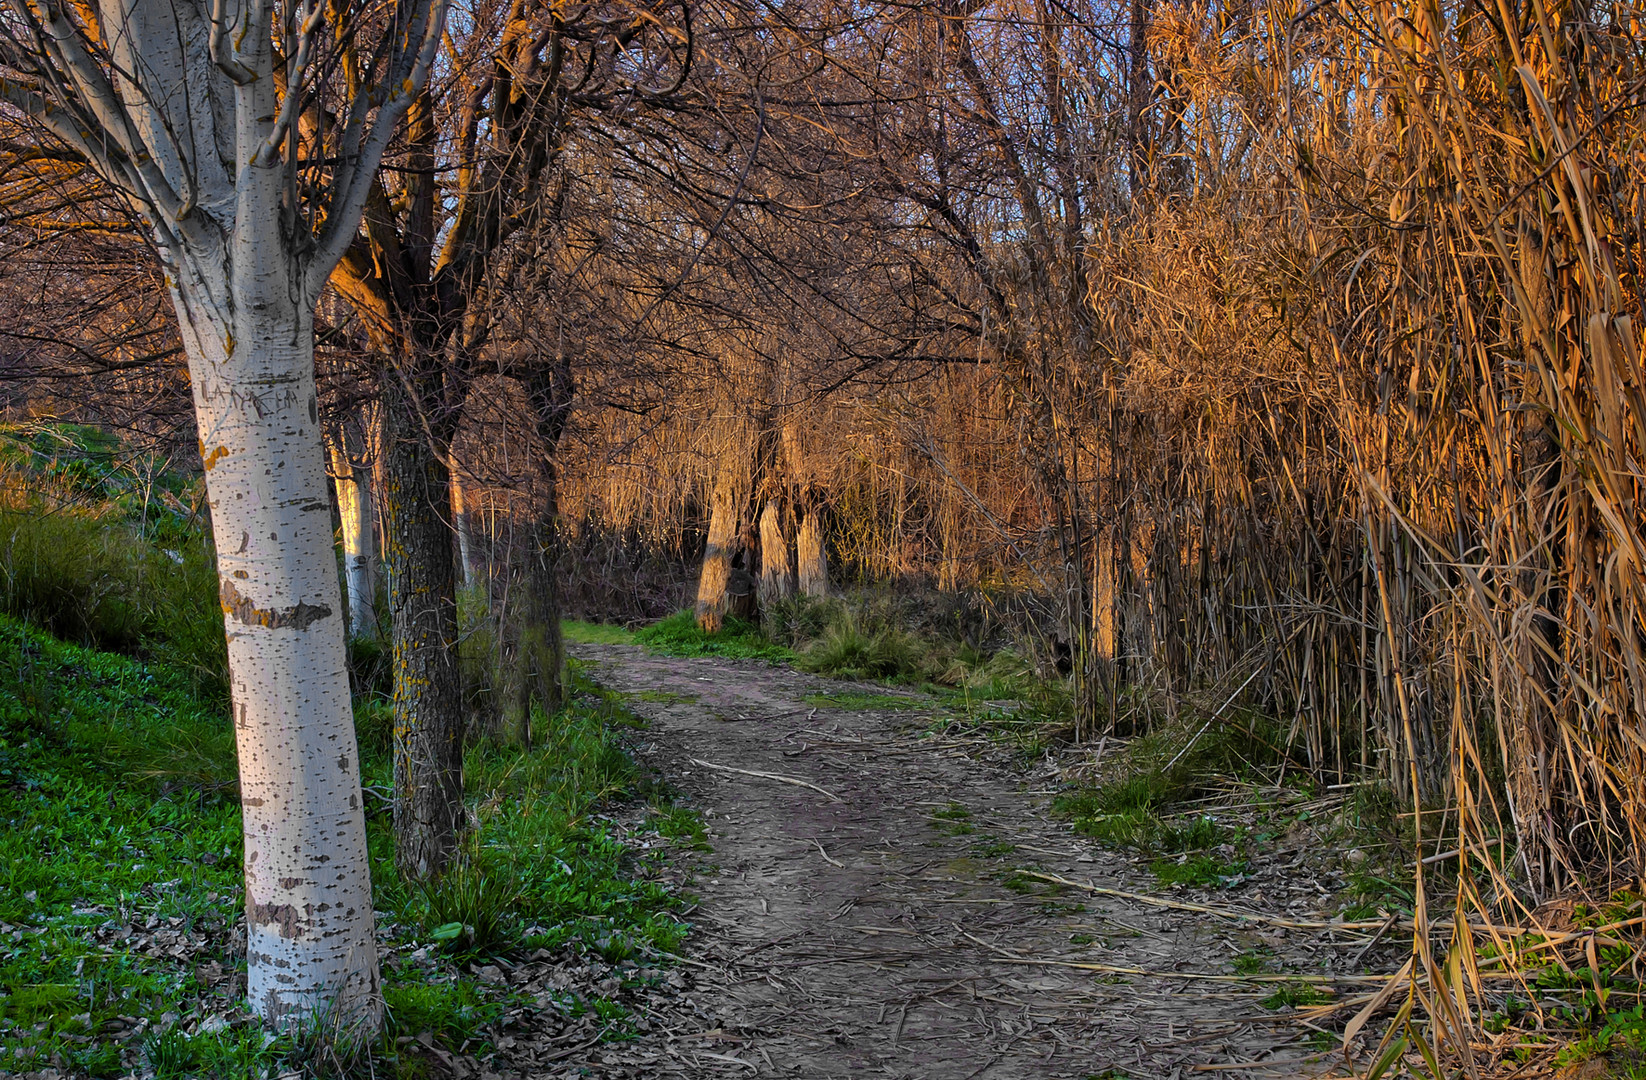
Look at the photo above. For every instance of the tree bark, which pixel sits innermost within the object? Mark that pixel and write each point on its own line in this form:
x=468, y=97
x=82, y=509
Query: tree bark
x=533, y=653
x=428, y=685
x=309, y=921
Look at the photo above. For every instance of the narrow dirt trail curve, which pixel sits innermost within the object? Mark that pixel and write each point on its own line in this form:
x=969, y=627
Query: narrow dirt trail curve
x=875, y=935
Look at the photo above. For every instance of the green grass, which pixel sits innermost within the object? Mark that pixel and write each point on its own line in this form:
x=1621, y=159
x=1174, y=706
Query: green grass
x=849, y=649
x=679, y=635
x=664, y=697
x=118, y=811
x=587, y=633
x=108, y=550
x=455, y=1009
x=861, y=702
x=1199, y=871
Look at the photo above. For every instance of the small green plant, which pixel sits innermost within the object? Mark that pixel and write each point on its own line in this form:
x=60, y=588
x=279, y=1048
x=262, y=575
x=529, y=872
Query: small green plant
x=169, y=1053
x=1254, y=961
x=1198, y=871
x=1292, y=995
x=469, y=908
x=682, y=824
x=849, y=650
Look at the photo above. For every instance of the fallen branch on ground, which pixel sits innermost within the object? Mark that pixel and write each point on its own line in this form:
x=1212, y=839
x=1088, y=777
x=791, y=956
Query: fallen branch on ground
x=767, y=776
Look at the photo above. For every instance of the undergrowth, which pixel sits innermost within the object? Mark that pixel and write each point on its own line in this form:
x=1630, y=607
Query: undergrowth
x=107, y=548
x=121, y=883
x=1140, y=803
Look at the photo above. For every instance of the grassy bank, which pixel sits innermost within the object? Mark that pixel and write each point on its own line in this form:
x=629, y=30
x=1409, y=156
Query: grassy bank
x=121, y=935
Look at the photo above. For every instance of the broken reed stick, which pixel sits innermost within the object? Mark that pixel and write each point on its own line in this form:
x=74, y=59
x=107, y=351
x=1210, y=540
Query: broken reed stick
x=1184, y=905
x=1474, y=849
x=1551, y=937
x=779, y=777
x=1258, y=1064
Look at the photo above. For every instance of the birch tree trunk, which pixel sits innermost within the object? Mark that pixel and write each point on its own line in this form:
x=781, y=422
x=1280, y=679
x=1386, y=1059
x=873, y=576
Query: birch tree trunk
x=309, y=921
x=185, y=110
x=359, y=521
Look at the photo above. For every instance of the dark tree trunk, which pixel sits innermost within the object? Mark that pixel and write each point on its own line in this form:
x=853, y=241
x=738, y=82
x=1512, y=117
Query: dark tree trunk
x=534, y=651
x=532, y=657
x=428, y=684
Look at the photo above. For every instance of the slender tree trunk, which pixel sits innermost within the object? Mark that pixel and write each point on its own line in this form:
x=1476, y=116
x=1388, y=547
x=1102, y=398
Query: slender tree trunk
x=534, y=656
x=776, y=571
x=358, y=518
x=428, y=684
x=811, y=551
x=718, y=552
x=463, y=527
x=309, y=920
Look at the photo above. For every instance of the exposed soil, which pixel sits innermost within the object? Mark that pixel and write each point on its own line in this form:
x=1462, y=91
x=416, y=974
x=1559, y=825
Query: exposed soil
x=869, y=929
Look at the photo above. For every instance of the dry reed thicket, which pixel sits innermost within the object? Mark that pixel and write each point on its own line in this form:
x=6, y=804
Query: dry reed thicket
x=1301, y=347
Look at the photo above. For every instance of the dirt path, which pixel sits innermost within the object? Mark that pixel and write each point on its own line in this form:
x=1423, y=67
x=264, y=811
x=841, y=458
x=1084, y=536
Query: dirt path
x=875, y=930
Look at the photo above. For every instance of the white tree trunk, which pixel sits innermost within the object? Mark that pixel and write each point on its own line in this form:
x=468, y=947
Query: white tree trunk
x=185, y=109
x=463, y=527
x=309, y=919
x=358, y=518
